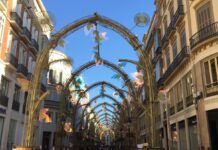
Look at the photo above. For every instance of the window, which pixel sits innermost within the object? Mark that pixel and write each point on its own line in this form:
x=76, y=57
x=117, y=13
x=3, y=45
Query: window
x=183, y=38
x=171, y=10
x=157, y=68
x=174, y=136
x=204, y=15
x=167, y=57
x=192, y=123
x=182, y=135
x=60, y=77
x=30, y=60
x=22, y=56
x=211, y=71
x=1, y=127
x=174, y=46
x=33, y=31
x=2, y=21
x=52, y=76
x=12, y=131
x=17, y=7
x=14, y=47
x=171, y=97
x=178, y=92
x=36, y=35
x=4, y=86
x=187, y=85
x=16, y=93
x=28, y=23
x=156, y=40
x=25, y=100
x=165, y=26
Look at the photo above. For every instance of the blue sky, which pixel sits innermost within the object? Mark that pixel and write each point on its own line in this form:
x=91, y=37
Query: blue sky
x=78, y=46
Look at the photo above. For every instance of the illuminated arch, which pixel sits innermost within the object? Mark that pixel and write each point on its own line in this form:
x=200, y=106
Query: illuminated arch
x=33, y=98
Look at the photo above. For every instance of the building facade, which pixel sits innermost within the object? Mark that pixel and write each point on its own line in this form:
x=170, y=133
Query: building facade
x=22, y=36
x=183, y=46
x=59, y=72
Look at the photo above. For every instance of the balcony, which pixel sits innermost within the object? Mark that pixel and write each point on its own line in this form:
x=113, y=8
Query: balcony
x=207, y=33
x=16, y=20
x=15, y=105
x=35, y=44
x=189, y=101
x=164, y=40
x=3, y=100
x=158, y=50
x=179, y=106
x=160, y=82
x=184, y=53
x=179, y=14
x=3, y=5
x=171, y=29
x=12, y=60
x=26, y=33
x=22, y=69
x=212, y=89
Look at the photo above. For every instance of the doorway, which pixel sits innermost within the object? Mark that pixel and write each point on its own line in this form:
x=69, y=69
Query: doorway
x=213, y=128
x=46, y=140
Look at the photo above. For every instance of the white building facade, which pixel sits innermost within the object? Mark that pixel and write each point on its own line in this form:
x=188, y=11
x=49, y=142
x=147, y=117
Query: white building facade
x=58, y=72
x=22, y=37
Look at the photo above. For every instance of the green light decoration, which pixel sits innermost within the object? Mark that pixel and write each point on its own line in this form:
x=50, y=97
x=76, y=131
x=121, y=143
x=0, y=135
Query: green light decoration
x=78, y=87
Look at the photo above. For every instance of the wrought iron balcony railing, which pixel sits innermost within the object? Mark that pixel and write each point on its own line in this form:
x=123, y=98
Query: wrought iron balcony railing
x=3, y=100
x=35, y=44
x=180, y=106
x=172, y=26
x=165, y=40
x=206, y=33
x=160, y=82
x=22, y=69
x=184, y=53
x=158, y=50
x=16, y=18
x=15, y=105
x=27, y=33
x=212, y=89
x=179, y=14
x=10, y=58
x=172, y=110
